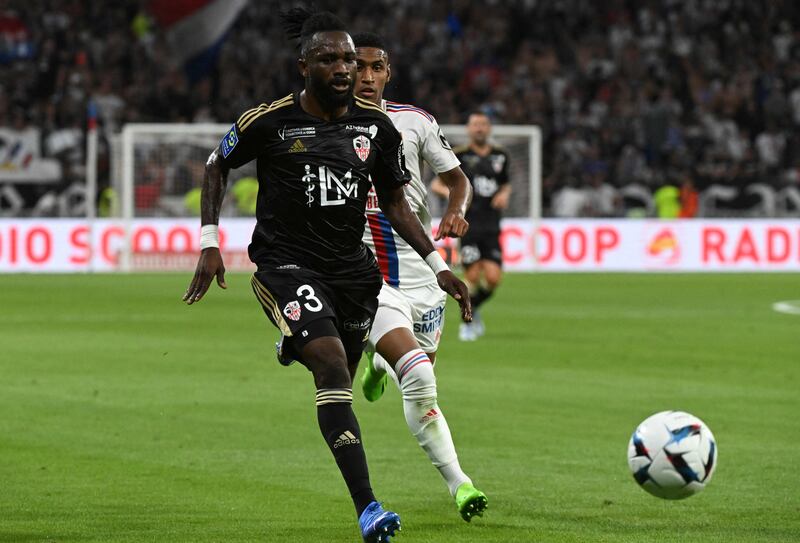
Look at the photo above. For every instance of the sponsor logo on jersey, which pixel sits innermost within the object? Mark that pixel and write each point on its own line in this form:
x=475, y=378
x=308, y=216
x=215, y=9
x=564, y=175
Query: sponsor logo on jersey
x=372, y=130
x=288, y=267
x=346, y=438
x=431, y=320
x=229, y=141
x=484, y=186
x=362, y=147
x=353, y=325
x=332, y=190
x=301, y=132
x=298, y=147
x=373, y=204
x=292, y=310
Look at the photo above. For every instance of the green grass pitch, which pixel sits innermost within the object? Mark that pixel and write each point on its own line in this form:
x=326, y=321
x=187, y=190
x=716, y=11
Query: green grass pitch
x=126, y=416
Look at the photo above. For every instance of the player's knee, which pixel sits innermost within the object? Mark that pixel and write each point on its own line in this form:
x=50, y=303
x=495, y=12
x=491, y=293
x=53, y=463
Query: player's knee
x=332, y=375
x=493, y=278
x=351, y=370
x=472, y=274
x=493, y=282
x=329, y=367
x=417, y=379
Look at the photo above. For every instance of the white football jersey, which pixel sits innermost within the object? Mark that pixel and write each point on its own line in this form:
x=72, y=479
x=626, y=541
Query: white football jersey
x=423, y=140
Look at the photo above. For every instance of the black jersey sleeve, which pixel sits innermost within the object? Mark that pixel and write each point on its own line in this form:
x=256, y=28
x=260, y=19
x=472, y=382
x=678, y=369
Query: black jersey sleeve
x=460, y=152
x=245, y=140
x=390, y=167
x=502, y=177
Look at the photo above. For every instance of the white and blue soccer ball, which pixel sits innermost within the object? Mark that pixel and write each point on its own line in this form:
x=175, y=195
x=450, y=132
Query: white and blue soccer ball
x=672, y=455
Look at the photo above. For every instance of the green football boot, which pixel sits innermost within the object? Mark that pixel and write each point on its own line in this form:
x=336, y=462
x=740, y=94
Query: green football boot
x=470, y=501
x=373, y=382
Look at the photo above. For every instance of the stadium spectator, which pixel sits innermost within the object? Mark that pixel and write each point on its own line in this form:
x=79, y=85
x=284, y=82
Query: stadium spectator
x=641, y=90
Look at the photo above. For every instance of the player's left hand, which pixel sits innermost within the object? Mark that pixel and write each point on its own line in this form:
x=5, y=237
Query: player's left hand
x=456, y=288
x=500, y=200
x=453, y=225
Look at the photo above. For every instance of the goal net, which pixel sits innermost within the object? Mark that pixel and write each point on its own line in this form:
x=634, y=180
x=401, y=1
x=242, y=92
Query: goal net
x=159, y=171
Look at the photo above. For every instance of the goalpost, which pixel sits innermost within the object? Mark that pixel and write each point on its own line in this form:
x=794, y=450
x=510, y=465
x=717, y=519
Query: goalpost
x=158, y=166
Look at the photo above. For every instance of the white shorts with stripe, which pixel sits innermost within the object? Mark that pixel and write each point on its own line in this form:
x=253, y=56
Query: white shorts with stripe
x=419, y=309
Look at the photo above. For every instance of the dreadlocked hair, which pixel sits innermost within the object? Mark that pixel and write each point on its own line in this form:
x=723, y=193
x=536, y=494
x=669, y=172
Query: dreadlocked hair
x=301, y=23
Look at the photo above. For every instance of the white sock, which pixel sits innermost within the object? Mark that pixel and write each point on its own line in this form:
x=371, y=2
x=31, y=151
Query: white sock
x=425, y=419
x=380, y=365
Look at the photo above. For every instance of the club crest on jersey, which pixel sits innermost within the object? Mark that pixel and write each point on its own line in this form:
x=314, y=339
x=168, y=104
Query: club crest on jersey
x=229, y=141
x=362, y=145
x=292, y=310
x=498, y=161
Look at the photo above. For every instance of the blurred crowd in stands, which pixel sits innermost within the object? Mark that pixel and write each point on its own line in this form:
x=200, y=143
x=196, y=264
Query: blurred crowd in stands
x=697, y=97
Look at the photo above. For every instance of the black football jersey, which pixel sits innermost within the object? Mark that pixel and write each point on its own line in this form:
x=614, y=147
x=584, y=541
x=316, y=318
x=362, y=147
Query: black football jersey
x=314, y=177
x=487, y=174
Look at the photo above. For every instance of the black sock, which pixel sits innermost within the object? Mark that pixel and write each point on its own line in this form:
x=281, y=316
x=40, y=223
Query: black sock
x=480, y=296
x=339, y=427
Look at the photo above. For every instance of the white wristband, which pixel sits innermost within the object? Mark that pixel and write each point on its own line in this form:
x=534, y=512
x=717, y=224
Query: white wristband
x=436, y=262
x=209, y=236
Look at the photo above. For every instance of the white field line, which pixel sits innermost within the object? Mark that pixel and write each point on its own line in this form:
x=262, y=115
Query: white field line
x=790, y=307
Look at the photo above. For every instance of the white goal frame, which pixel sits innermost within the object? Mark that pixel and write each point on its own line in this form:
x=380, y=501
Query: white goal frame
x=133, y=132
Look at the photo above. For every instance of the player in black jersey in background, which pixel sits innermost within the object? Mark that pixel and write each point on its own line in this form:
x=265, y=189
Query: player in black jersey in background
x=486, y=166
x=316, y=280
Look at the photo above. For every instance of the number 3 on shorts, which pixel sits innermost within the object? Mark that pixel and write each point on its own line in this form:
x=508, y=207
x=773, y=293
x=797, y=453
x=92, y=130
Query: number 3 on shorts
x=312, y=302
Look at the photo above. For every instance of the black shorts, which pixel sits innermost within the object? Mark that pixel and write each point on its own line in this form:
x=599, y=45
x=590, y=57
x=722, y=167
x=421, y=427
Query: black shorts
x=296, y=298
x=481, y=246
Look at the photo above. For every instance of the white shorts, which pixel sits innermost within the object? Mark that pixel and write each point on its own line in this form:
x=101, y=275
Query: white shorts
x=419, y=309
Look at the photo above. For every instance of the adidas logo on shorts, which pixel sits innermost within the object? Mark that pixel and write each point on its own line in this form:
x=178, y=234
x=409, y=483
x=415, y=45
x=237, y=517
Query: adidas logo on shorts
x=347, y=438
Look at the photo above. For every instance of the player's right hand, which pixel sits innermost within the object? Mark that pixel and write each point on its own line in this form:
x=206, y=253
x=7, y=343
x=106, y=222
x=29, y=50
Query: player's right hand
x=452, y=225
x=456, y=288
x=209, y=266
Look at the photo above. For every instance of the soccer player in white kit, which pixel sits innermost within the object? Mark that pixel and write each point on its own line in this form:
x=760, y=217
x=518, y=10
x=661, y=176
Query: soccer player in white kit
x=406, y=330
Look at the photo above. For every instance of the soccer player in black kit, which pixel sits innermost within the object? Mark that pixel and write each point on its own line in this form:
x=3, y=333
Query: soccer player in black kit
x=486, y=166
x=316, y=281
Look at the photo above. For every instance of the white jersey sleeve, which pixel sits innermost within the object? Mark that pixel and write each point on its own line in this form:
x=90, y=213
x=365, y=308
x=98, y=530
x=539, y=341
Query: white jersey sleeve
x=423, y=141
x=436, y=150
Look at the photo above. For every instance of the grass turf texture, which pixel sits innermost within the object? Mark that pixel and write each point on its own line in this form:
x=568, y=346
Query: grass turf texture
x=129, y=417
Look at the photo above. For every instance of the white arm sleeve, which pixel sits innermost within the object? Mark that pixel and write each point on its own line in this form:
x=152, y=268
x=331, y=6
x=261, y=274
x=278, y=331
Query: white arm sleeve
x=436, y=150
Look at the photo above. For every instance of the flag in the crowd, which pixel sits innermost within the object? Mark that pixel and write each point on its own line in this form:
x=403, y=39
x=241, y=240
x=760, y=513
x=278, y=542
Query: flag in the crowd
x=15, y=39
x=196, y=29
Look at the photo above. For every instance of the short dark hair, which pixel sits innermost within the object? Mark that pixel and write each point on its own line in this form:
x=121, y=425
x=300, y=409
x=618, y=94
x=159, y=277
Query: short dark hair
x=301, y=23
x=479, y=112
x=369, y=39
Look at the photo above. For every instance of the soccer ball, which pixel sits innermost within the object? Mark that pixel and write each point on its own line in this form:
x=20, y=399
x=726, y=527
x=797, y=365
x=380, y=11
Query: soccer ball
x=672, y=455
